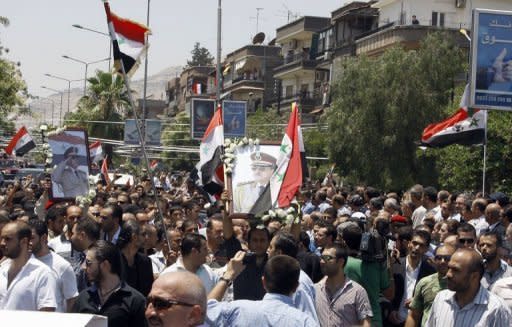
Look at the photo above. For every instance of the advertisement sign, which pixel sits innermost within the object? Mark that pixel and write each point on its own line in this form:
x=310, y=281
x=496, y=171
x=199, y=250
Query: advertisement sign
x=131, y=135
x=491, y=60
x=234, y=118
x=152, y=131
x=201, y=113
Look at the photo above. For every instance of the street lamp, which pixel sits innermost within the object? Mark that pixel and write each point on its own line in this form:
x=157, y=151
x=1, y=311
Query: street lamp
x=61, y=93
x=86, y=66
x=102, y=33
x=67, y=80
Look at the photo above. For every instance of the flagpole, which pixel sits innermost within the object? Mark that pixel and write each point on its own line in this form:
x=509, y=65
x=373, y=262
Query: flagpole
x=485, y=156
x=138, y=126
x=144, y=113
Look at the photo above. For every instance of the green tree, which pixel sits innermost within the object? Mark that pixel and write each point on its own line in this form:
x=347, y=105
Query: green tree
x=380, y=107
x=266, y=125
x=177, y=133
x=106, y=102
x=200, y=56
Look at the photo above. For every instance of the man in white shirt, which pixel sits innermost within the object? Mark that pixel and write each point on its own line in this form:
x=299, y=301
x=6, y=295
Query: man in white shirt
x=62, y=243
x=193, y=258
x=66, y=281
x=25, y=282
x=478, y=215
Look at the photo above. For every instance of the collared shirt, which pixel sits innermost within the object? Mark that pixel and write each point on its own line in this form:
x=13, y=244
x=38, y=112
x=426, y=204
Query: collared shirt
x=486, y=309
x=417, y=216
x=425, y=293
x=347, y=307
x=62, y=246
x=480, y=224
x=32, y=289
x=273, y=310
x=411, y=276
x=503, y=288
x=124, y=307
x=205, y=274
x=158, y=262
x=114, y=237
x=66, y=279
x=489, y=279
x=305, y=295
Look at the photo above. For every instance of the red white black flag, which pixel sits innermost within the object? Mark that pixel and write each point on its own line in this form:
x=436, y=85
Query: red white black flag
x=21, y=143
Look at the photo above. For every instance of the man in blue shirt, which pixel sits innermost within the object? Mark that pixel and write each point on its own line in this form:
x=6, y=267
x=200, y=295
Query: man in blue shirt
x=280, y=280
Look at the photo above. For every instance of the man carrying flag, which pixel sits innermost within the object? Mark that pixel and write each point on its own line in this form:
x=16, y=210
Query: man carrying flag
x=465, y=127
x=21, y=143
x=96, y=152
x=210, y=168
x=287, y=177
x=104, y=171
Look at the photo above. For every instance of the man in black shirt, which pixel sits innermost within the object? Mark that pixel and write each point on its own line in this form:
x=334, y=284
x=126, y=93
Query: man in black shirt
x=110, y=296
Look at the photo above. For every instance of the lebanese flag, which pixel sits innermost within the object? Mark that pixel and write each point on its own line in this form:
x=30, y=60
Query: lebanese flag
x=288, y=175
x=465, y=127
x=21, y=143
x=210, y=167
x=104, y=171
x=95, y=151
x=128, y=41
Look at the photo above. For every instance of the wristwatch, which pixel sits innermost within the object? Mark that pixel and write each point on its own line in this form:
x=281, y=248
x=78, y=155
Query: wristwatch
x=227, y=280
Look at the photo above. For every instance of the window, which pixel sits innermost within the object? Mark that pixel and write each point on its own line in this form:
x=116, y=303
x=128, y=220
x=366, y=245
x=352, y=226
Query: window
x=289, y=91
x=438, y=19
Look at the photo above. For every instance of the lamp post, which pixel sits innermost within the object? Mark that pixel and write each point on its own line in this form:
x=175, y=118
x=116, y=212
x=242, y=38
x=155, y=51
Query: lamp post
x=67, y=80
x=98, y=32
x=86, y=66
x=61, y=94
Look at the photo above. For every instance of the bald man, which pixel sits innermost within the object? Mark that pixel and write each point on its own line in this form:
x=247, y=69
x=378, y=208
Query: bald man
x=176, y=299
x=466, y=302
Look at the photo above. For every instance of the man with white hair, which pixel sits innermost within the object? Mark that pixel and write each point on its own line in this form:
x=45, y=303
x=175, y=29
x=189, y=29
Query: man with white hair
x=391, y=206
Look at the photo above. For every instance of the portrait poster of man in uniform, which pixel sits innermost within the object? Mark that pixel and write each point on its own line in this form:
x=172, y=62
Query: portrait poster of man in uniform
x=70, y=175
x=254, y=167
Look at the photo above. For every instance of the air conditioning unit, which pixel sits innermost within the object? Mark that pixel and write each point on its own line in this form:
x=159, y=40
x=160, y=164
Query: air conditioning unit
x=460, y=3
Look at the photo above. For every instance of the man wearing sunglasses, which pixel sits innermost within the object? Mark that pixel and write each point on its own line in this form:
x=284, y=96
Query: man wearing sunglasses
x=110, y=296
x=466, y=236
x=176, y=299
x=427, y=288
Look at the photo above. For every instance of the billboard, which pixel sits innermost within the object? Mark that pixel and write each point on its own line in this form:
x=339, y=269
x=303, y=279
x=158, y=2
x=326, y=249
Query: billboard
x=491, y=60
x=234, y=118
x=152, y=132
x=202, y=111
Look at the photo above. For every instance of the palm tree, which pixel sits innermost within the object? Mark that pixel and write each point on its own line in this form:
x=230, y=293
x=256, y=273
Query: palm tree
x=106, y=101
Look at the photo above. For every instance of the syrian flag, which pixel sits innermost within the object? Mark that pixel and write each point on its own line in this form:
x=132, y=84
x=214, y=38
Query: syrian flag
x=153, y=165
x=210, y=167
x=21, y=143
x=95, y=151
x=288, y=175
x=465, y=127
x=128, y=41
x=104, y=171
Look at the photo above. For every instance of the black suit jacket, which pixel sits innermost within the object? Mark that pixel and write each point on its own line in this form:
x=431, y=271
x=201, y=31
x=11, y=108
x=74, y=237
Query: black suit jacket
x=140, y=275
x=425, y=270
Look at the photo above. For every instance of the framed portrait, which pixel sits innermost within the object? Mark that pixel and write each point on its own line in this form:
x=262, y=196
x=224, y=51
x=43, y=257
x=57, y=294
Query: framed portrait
x=202, y=111
x=251, y=174
x=152, y=132
x=70, y=163
x=234, y=118
x=131, y=134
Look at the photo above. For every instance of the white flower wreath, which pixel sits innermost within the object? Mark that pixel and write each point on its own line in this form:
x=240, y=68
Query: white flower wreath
x=230, y=146
x=284, y=216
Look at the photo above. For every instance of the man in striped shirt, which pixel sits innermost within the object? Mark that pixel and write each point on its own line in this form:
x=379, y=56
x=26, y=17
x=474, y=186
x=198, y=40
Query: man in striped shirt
x=466, y=302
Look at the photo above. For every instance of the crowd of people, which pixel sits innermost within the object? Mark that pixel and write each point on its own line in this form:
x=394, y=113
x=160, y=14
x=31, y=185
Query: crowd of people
x=353, y=257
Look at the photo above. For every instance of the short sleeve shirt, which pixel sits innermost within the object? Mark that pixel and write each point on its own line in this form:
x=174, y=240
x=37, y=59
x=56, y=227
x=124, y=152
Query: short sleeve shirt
x=347, y=307
x=425, y=293
x=32, y=289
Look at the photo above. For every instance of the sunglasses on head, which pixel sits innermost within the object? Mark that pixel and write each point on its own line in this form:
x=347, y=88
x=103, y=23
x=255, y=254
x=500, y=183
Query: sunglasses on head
x=163, y=304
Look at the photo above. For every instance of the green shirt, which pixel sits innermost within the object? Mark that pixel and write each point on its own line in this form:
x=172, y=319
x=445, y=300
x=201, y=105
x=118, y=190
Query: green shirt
x=425, y=293
x=373, y=276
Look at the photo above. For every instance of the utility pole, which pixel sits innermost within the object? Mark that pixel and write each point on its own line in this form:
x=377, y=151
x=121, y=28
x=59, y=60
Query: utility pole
x=219, y=51
x=144, y=113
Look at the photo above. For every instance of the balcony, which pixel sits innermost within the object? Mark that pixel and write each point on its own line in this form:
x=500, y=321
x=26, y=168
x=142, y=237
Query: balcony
x=294, y=62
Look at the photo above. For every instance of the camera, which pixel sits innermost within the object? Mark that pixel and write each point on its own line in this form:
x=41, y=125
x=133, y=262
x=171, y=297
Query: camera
x=249, y=258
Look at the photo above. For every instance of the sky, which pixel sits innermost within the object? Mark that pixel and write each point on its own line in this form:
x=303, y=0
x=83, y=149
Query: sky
x=41, y=32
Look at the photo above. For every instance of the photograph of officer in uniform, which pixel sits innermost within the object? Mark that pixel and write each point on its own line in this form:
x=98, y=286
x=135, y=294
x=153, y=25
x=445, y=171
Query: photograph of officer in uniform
x=68, y=178
x=245, y=194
